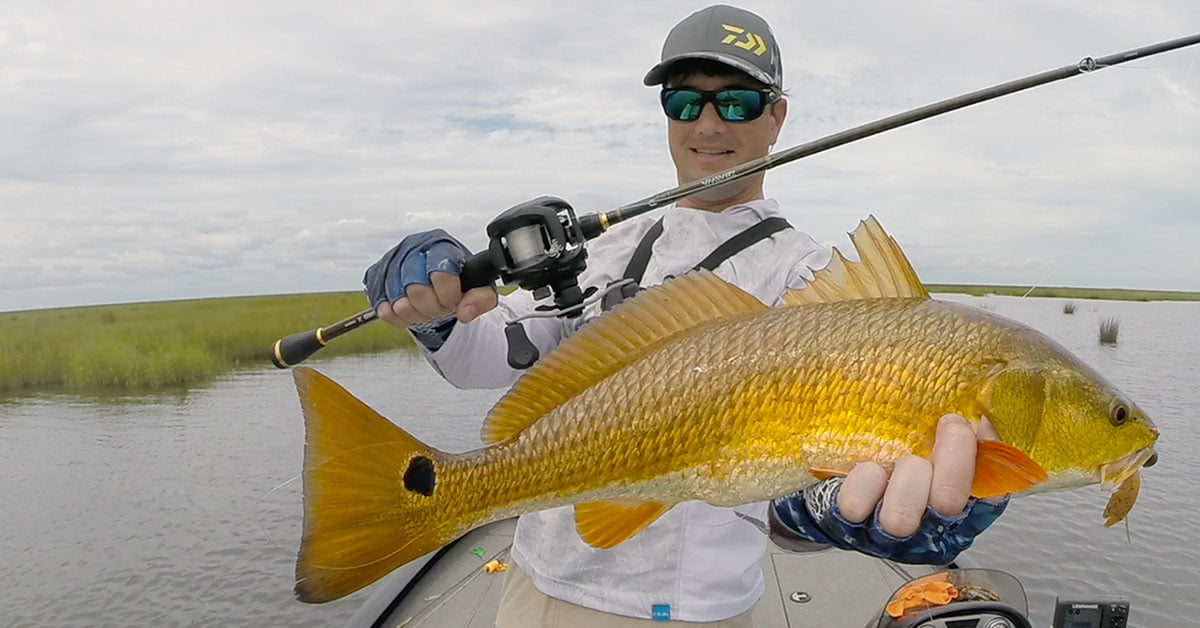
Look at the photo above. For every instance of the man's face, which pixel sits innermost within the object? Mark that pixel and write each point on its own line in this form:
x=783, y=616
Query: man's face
x=710, y=145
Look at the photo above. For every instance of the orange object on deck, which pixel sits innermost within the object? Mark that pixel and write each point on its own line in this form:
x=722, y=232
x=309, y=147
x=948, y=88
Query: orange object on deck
x=921, y=595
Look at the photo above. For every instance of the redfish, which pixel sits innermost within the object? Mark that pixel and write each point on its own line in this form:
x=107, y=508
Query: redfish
x=695, y=390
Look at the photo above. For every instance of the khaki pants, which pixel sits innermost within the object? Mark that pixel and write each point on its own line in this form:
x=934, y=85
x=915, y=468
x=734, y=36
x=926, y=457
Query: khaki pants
x=523, y=606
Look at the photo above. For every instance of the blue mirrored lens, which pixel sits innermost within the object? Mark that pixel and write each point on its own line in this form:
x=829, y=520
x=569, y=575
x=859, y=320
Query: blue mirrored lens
x=733, y=105
x=736, y=105
x=683, y=105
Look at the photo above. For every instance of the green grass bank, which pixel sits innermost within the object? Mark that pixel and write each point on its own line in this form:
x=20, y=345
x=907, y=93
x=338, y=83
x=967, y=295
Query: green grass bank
x=1115, y=294
x=149, y=346
x=171, y=344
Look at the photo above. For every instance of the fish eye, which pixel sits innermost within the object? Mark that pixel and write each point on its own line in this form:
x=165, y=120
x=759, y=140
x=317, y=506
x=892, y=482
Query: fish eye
x=1118, y=414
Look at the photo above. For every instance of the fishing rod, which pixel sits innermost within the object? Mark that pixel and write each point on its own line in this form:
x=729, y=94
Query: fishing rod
x=540, y=245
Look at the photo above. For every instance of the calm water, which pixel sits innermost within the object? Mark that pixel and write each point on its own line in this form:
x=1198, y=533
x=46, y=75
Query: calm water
x=177, y=509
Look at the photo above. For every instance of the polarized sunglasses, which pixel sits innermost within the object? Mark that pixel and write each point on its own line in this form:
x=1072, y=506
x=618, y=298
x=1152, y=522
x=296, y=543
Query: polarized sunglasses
x=734, y=104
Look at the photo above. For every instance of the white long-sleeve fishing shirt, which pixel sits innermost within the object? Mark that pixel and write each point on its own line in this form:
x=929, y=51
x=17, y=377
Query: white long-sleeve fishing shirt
x=697, y=562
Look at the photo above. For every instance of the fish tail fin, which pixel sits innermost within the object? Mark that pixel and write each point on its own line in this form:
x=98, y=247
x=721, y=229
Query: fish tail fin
x=375, y=497
x=1002, y=469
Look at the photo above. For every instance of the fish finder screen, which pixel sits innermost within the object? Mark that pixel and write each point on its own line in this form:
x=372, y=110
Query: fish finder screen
x=1083, y=618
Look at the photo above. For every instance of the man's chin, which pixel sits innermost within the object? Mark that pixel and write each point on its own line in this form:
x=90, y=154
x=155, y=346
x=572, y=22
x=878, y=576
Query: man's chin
x=720, y=193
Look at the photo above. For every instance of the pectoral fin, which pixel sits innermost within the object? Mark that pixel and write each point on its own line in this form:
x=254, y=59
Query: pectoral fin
x=605, y=525
x=1001, y=469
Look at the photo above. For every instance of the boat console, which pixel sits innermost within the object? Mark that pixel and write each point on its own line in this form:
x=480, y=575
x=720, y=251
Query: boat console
x=986, y=598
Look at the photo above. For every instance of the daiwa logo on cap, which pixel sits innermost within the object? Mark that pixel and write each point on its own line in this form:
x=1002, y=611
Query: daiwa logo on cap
x=752, y=40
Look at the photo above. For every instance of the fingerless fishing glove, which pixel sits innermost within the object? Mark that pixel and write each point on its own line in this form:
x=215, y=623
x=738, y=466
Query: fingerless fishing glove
x=408, y=263
x=813, y=515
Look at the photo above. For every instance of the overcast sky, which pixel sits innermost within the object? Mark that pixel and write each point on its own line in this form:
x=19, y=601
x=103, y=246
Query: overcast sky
x=174, y=149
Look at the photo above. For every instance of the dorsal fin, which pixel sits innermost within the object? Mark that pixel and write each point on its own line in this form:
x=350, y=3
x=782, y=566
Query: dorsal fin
x=606, y=344
x=883, y=271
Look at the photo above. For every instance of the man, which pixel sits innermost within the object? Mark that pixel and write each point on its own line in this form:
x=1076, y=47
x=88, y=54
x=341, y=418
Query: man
x=723, y=96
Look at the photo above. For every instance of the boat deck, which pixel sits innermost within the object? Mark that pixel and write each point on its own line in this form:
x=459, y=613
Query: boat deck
x=829, y=589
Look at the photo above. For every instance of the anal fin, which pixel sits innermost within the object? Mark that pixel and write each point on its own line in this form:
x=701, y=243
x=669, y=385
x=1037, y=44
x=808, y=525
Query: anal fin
x=607, y=524
x=1002, y=469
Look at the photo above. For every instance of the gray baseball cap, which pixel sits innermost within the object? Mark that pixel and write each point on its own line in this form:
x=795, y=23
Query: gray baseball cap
x=729, y=35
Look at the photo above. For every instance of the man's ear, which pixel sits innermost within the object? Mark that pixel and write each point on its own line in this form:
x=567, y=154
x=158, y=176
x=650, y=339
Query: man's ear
x=779, y=113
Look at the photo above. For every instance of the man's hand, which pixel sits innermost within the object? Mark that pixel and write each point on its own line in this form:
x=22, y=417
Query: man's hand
x=942, y=482
x=417, y=282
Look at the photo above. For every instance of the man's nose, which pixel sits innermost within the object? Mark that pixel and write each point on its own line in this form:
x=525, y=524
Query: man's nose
x=709, y=122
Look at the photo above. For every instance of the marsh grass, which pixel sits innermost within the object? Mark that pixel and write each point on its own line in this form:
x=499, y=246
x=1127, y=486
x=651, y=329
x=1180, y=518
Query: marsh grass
x=1069, y=307
x=1115, y=294
x=148, y=346
x=1108, y=331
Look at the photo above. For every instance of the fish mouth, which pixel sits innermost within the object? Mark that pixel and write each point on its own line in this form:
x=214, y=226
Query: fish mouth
x=1112, y=474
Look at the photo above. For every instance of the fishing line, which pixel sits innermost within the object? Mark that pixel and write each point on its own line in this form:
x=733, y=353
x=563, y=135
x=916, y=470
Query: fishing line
x=483, y=268
x=454, y=590
x=599, y=295
x=1191, y=65
x=258, y=508
x=897, y=569
x=399, y=549
x=1039, y=281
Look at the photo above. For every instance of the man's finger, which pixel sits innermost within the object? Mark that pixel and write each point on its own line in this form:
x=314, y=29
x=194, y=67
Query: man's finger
x=399, y=314
x=447, y=289
x=953, y=461
x=906, y=496
x=861, y=491
x=385, y=313
x=425, y=302
x=475, y=302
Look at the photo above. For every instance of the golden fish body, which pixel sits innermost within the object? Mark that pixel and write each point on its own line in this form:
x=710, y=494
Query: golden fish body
x=696, y=391
x=741, y=409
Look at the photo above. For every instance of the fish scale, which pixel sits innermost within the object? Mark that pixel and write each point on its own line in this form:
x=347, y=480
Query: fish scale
x=749, y=407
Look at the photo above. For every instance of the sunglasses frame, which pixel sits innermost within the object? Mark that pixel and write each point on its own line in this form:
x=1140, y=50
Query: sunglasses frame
x=766, y=97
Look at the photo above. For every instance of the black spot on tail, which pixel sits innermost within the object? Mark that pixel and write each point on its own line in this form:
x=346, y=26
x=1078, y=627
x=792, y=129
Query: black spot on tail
x=420, y=476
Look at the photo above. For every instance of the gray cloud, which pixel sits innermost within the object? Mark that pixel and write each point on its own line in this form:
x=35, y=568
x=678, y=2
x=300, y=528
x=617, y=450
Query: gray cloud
x=154, y=151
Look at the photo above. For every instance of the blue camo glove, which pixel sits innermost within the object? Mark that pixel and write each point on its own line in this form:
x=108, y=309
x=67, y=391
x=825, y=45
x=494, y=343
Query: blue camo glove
x=813, y=515
x=408, y=263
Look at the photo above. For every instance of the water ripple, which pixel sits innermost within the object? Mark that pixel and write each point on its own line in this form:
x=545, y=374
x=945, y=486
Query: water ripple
x=153, y=511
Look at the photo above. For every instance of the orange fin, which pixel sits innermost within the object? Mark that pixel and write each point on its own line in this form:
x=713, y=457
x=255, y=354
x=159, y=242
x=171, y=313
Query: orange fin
x=374, y=496
x=1002, y=469
x=823, y=474
x=607, y=524
x=883, y=272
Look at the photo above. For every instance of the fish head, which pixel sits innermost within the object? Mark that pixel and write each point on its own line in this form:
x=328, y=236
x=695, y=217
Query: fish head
x=1069, y=420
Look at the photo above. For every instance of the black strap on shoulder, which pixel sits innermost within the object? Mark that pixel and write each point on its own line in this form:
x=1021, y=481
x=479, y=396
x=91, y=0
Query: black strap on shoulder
x=744, y=240
x=521, y=352
x=636, y=267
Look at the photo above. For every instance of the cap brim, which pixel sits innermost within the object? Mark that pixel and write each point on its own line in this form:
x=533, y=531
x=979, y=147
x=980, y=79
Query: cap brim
x=658, y=74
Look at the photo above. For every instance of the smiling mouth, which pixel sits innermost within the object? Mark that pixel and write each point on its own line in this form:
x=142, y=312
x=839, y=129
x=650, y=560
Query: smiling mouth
x=711, y=152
